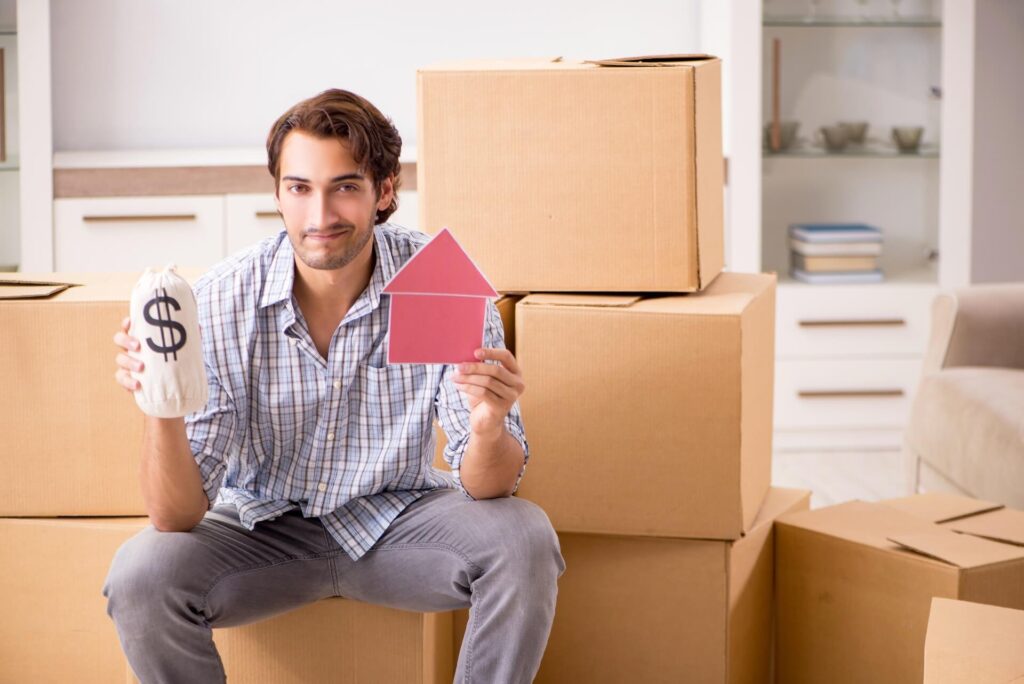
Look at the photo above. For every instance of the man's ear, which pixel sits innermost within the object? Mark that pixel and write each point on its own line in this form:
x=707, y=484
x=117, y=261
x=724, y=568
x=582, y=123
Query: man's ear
x=387, y=193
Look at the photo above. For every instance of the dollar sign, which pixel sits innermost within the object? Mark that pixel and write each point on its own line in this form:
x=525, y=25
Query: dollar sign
x=164, y=322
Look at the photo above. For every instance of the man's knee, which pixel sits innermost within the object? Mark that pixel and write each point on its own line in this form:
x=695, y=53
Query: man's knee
x=530, y=541
x=146, y=569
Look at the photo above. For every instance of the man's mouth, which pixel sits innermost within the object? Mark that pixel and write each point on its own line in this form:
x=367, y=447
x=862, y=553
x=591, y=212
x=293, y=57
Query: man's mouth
x=326, y=237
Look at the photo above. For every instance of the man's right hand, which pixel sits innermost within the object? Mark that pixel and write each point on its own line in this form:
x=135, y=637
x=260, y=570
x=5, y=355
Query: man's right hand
x=126, y=363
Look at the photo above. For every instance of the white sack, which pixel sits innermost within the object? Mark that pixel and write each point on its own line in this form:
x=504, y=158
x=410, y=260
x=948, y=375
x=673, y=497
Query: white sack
x=165, y=321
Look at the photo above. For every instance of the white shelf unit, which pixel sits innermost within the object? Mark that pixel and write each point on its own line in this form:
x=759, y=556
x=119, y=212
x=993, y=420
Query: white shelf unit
x=848, y=356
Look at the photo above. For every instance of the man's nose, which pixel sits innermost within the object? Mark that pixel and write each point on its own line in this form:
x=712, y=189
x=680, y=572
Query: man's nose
x=323, y=215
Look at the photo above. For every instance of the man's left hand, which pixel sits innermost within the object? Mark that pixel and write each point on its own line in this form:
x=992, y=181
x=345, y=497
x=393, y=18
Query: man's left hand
x=490, y=388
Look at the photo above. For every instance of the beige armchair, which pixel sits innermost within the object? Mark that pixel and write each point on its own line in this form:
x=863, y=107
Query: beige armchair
x=966, y=429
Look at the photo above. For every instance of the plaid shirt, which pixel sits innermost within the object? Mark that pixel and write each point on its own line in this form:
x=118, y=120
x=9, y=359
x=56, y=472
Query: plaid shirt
x=349, y=439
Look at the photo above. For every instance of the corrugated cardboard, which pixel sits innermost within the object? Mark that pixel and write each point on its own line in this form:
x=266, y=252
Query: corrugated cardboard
x=636, y=609
x=54, y=626
x=562, y=175
x=855, y=582
x=650, y=416
x=71, y=435
x=971, y=643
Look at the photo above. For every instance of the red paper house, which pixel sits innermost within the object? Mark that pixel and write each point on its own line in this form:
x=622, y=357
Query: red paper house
x=438, y=305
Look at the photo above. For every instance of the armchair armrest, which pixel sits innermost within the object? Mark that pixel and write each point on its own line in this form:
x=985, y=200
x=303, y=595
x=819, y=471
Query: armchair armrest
x=981, y=325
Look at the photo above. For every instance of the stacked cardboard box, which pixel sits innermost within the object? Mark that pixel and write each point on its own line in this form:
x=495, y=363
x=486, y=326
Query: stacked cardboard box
x=648, y=412
x=855, y=581
x=70, y=452
x=970, y=643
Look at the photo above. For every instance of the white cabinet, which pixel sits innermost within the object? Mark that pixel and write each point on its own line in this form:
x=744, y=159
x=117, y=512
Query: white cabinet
x=131, y=233
x=249, y=219
x=848, y=356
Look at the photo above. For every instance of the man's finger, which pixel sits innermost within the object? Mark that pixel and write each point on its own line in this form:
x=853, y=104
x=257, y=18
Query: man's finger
x=490, y=369
x=482, y=393
x=499, y=388
x=502, y=355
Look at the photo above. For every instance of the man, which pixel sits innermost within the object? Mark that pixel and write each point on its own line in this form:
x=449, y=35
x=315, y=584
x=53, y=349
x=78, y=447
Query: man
x=307, y=475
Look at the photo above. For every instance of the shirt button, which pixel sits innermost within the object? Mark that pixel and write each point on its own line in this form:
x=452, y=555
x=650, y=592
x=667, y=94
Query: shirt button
x=330, y=436
x=292, y=341
x=321, y=487
x=337, y=384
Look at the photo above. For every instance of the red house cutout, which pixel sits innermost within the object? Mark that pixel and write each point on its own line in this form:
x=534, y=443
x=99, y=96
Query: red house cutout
x=438, y=305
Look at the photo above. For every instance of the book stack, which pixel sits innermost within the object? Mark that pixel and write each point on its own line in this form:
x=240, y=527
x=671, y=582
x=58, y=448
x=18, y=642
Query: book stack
x=824, y=253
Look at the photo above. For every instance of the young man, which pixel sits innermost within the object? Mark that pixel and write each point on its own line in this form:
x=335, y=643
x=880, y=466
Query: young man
x=308, y=473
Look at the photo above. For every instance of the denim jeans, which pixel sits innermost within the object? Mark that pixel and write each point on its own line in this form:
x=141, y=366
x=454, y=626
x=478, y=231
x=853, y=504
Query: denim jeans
x=498, y=557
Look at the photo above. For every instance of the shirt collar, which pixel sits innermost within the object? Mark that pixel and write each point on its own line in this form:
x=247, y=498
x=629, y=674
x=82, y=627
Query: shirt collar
x=281, y=275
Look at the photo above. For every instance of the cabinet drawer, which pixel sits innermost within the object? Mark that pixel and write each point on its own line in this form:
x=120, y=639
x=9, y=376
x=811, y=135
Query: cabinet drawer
x=839, y=321
x=823, y=394
x=131, y=233
x=249, y=219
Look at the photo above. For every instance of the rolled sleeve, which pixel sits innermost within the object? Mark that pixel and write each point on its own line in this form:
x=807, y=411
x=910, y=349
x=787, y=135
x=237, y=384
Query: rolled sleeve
x=211, y=436
x=453, y=410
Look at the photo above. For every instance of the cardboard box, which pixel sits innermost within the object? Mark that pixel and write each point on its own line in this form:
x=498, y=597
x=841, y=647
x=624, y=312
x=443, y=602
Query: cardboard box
x=635, y=609
x=650, y=416
x=855, y=581
x=71, y=435
x=55, y=627
x=971, y=643
x=564, y=175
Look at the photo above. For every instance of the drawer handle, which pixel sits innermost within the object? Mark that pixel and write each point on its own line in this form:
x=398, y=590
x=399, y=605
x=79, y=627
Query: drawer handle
x=139, y=217
x=833, y=394
x=267, y=214
x=853, y=322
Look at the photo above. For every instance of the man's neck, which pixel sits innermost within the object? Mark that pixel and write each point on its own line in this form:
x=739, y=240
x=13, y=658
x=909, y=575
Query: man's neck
x=332, y=292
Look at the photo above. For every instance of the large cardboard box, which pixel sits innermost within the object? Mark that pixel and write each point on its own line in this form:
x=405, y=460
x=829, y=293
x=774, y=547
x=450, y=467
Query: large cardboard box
x=855, y=581
x=650, y=416
x=636, y=609
x=71, y=435
x=972, y=643
x=565, y=175
x=54, y=627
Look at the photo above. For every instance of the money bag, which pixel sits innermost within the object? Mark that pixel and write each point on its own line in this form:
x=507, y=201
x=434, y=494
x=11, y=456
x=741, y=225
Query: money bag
x=165, y=321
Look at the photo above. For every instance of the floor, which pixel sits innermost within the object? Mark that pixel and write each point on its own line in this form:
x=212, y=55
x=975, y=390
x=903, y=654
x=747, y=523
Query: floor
x=837, y=476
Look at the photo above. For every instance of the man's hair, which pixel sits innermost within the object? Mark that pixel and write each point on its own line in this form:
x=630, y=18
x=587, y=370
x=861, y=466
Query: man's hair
x=373, y=140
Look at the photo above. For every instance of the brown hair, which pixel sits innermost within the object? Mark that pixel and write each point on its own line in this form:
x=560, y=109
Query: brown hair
x=373, y=140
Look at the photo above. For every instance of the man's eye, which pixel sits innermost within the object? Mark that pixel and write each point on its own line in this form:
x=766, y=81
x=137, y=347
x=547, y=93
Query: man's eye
x=297, y=188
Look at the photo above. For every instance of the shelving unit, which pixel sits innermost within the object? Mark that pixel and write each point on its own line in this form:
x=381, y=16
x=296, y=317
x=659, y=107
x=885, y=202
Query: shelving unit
x=849, y=387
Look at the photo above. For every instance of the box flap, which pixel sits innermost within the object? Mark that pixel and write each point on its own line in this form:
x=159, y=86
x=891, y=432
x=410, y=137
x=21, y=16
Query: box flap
x=865, y=523
x=652, y=60
x=581, y=300
x=973, y=642
x=961, y=550
x=940, y=507
x=29, y=289
x=1003, y=524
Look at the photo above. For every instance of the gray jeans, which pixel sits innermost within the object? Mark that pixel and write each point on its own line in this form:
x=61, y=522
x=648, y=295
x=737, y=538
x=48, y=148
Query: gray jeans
x=498, y=557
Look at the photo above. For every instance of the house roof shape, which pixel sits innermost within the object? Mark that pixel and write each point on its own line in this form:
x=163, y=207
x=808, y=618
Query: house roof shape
x=440, y=267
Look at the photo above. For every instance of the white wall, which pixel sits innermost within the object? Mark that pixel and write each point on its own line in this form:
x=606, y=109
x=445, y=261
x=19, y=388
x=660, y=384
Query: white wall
x=199, y=73
x=997, y=236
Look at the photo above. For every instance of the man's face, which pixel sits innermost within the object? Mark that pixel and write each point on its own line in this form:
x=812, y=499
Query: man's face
x=329, y=206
